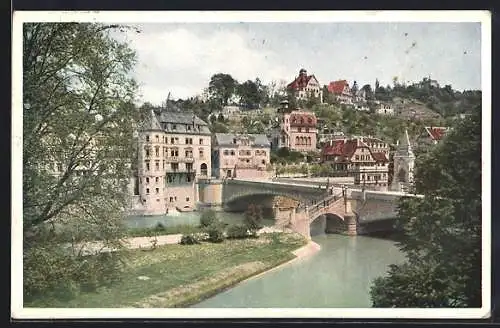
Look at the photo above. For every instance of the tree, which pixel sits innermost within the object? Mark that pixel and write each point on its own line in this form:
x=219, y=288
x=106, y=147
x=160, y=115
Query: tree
x=249, y=94
x=78, y=148
x=222, y=87
x=443, y=230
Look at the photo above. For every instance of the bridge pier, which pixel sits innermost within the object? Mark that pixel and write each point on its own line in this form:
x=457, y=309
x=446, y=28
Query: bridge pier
x=351, y=222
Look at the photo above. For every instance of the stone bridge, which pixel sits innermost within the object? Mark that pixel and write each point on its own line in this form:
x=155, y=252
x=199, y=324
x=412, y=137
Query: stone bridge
x=351, y=211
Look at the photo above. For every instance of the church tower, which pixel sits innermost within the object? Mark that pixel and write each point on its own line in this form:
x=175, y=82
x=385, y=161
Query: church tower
x=404, y=163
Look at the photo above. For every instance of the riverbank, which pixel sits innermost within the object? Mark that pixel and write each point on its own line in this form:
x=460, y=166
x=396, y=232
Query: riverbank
x=174, y=275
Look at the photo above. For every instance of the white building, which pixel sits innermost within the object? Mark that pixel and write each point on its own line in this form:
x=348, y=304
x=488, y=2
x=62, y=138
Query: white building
x=404, y=164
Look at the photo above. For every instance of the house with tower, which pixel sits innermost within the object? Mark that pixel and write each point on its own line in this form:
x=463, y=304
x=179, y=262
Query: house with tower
x=306, y=87
x=297, y=129
x=404, y=164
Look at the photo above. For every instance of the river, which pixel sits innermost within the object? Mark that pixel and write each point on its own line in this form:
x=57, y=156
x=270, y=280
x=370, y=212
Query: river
x=338, y=276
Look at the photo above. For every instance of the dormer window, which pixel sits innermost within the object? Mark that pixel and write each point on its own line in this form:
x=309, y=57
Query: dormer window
x=234, y=141
x=174, y=127
x=189, y=127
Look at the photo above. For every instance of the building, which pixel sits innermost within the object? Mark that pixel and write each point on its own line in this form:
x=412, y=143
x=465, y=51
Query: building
x=173, y=153
x=298, y=131
x=431, y=136
x=364, y=158
x=241, y=156
x=341, y=91
x=306, y=87
x=384, y=109
x=404, y=164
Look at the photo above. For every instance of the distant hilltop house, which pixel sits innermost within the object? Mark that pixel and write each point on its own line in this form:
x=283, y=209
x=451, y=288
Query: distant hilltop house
x=428, y=81
x=431, y=135
x=347, y=95
x=365, y=158
x=341, y=91
x=227, y=112
x=306, y=87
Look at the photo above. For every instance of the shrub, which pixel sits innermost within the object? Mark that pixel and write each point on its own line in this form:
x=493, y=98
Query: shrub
x=215, y=233
x=253, y=218
x=159, y=227
x=208, y=218
x=189, y=239
x=237, y=231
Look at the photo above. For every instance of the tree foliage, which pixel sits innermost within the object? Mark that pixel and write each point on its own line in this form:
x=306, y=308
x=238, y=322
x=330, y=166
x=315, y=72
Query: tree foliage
x=443, y=230
x=78, y=140
x=222, y=87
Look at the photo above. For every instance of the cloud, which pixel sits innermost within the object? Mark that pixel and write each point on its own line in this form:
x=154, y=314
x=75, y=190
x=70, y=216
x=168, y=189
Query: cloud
x=181, y=61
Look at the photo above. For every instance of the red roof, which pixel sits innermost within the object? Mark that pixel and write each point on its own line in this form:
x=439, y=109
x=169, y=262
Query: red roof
x=337, y=87
x=300, y=82
x=341, y=148
x=436, y=133
x=379, y=157
x=344, y=150
x=303, y=119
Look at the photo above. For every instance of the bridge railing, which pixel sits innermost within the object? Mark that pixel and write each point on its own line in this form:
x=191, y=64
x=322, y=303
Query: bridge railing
x=327, y=201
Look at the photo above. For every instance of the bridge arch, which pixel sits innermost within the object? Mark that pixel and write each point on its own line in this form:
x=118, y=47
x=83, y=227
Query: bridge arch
x=329, y=222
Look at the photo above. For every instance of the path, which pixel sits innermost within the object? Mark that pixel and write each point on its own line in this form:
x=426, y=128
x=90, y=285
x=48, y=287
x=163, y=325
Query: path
x=147, y=242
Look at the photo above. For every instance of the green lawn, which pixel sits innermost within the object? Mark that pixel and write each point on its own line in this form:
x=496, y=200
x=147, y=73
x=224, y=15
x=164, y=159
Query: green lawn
x=179, y=229
x=181, y=275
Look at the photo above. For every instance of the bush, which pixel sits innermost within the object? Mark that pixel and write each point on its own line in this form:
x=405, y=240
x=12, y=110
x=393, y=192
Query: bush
x=190, y=239
x=215, y=233
x=159, y=227
x=208, y=218
x=253, y=218
x=237, y=231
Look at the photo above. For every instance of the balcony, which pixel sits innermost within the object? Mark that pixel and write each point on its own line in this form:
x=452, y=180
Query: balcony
x=180, y=170
x=188, y=159
x=173, y=159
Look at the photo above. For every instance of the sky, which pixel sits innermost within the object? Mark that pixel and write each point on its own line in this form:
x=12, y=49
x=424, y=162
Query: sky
x=180, y=58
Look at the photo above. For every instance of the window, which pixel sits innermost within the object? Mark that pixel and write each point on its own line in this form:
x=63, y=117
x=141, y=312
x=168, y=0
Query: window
x=226, y=152
x=163, y=164
x=263, y=162
x=157, y=151
x=187, y=199
x=147, y=191
x=189, y=167
x=201, y=141
x=172, y=140
x=171, y=199
x=147, y=166
x=157, y=190
x=157, y=138
x=188, y=178
x=357, y=157
x=147, y=138
x=157, y=166
x=232, y=152
x=174, y=166
x=307, y=129
x=300, y=129
x=156, y=179
x=202, y=154
x=174, y=127
x=157, y=199
x=187, y=141
x=147, y=180
x=147, y=152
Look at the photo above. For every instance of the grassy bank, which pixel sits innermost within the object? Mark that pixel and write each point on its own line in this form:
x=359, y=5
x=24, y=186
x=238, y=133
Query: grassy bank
x=162, y=230
x=182, y=275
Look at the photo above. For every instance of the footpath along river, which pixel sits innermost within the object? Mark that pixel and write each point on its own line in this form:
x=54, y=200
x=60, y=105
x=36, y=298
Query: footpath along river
x=337, y=276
